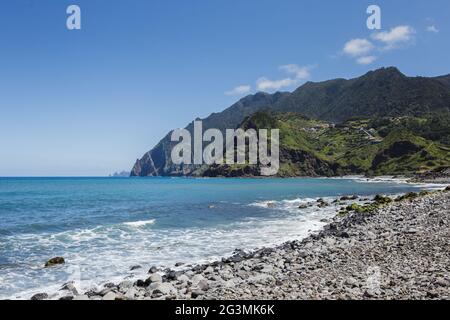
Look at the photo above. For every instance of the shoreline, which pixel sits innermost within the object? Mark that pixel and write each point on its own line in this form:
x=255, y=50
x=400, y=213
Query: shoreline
x=288, y=271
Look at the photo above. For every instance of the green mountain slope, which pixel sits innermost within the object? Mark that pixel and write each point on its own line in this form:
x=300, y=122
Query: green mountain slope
x=316, y=148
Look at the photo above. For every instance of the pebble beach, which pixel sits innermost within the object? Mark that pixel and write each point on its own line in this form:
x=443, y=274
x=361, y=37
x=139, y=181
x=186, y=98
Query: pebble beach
x=397, y=250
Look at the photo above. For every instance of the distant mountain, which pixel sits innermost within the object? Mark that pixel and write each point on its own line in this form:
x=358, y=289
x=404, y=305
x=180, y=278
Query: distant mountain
x=120, y=174
x=383, y=93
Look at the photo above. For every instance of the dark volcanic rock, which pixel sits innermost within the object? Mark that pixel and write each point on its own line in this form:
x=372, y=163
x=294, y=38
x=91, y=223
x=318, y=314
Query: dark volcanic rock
x=55, y=261
x=40, y=296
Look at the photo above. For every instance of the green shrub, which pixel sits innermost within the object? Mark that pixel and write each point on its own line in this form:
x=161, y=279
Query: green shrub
x=379, y=199
x=409, y=196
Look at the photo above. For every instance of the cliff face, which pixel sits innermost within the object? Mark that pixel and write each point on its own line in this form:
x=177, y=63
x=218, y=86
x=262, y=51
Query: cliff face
x=384, y=93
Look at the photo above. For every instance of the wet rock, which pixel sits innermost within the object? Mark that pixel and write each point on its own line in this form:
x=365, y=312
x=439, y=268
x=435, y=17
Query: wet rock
x=70, y=287
x=125, y=285
x=343, y=234
x=110, y=285
x=40, y=296
x=322, y=203
x=136, y=267
x=54, y=262
x=171, y=275
x=349, y=198
x=153, y=270
x=103, y=292
x=141, y=283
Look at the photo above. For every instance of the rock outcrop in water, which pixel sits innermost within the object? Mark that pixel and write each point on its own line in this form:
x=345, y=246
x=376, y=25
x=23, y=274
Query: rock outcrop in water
x=54, y=262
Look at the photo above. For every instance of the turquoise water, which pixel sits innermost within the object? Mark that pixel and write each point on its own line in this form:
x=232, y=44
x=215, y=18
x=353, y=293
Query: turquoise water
x=103, y=226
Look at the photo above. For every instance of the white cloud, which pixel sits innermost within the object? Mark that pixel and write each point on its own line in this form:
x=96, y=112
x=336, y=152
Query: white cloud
x=432, y=28
x=239, y=90
x=300, y=73
x=264, y=84
x=358, y=47
x=394, y=37
x=366, y=60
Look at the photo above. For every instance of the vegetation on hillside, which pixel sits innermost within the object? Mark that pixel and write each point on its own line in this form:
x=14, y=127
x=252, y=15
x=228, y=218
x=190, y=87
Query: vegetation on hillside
x=310, y=147
x=383, y=122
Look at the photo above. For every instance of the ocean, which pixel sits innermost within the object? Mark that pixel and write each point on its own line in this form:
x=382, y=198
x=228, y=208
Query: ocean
x=105, y=226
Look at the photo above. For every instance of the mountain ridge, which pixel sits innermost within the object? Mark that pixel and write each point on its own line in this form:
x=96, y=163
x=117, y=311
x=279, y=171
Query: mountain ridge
x=384, y=92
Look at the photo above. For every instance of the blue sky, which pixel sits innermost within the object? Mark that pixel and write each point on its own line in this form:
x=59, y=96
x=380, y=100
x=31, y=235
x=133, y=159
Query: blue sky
x=89, y=102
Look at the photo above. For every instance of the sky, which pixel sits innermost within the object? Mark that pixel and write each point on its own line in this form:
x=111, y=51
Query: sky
x=89, y=102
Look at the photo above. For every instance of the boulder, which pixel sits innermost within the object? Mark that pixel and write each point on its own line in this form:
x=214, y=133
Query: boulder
x=55, y=261
x=70, y=287
x=110, y=296
x=140, y=283
x=196, y=279
x=136, y=267
x=40, y=296
x=208, y=270
x=164, y=289
x=125, y=285
x=203, y=285
x=130, y=294
x=171, y=275
x=183, y=278
x=154, y=278
x=196, y=293
x=348, y=198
